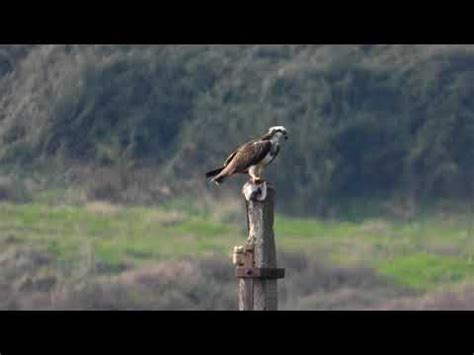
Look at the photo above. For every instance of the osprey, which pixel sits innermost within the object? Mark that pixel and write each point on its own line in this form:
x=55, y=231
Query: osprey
x=251, y=157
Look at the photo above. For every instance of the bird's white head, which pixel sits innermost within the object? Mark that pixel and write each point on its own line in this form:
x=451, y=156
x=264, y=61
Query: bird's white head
x=277, y=132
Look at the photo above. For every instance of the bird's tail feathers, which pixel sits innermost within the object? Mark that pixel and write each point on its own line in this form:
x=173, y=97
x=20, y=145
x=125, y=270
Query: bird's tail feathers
x=213, y=173
x=218, y=180
x=213, y=176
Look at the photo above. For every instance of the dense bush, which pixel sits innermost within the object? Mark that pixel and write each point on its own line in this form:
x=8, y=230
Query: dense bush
x=364, y=121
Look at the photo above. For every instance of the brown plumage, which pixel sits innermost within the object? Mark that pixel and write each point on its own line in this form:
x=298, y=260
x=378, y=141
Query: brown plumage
x=250, y=157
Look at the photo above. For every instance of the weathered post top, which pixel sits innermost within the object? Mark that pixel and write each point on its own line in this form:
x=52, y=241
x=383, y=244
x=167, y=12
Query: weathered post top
x=257, y=268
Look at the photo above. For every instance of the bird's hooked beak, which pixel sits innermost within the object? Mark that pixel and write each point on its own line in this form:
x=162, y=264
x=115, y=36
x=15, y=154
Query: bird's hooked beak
x=286, y=136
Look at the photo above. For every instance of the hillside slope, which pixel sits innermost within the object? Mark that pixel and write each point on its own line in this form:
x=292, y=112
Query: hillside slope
x=364, y=121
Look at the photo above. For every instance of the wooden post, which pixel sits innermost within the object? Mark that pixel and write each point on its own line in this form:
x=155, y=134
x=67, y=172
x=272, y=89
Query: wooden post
x=246, y=285
x=257, y=271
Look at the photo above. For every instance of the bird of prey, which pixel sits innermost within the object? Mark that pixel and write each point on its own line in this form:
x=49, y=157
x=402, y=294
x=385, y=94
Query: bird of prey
x=251, y=157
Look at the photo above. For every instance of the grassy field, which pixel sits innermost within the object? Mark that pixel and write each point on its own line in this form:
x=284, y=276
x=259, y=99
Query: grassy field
x=426, y=254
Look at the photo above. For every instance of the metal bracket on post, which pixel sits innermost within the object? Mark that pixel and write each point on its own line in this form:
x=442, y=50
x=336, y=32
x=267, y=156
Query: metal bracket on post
x=244, y=256
x=259, y=273
x=244, y=261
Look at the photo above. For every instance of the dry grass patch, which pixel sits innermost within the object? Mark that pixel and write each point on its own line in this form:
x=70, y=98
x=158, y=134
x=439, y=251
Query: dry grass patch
x=102, y=208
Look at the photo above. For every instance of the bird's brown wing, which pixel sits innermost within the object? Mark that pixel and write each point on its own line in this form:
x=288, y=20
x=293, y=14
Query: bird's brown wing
x=226, y=169
x=232, y=155
x=247, y=155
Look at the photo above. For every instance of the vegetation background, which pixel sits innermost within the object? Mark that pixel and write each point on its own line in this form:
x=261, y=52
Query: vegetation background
x=103, y=151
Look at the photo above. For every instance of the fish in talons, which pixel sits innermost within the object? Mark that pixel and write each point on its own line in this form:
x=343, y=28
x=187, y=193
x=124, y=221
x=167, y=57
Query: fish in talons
x=255, y=190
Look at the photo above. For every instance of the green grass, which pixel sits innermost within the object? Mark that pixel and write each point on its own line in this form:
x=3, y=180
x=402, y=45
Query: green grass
x=425, y=254
x=301, y=227
x=427, y=271
x=128, y=235
x=421, y=254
